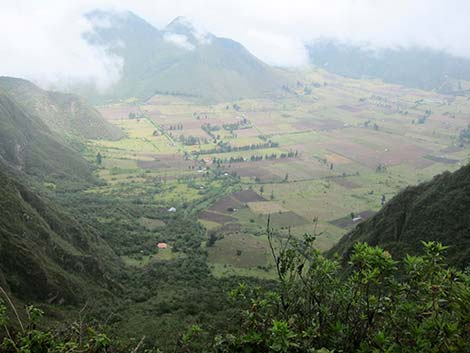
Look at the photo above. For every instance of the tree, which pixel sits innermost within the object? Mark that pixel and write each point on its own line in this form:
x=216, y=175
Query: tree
x=286, y=178
x=261, y=189
x=98, y=158
x=366, y=304
x=212, y=238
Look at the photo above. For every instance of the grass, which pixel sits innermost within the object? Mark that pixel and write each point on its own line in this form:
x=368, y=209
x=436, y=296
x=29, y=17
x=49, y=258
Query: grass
x=266, y=207
x=224, y=270
x=174, y=193
x=150, y=223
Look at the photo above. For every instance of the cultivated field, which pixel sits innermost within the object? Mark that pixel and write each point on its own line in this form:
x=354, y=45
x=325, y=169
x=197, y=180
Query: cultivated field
x=328, y=148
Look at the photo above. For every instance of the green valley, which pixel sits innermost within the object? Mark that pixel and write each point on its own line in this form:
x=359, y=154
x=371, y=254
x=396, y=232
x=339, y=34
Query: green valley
x=162, y=189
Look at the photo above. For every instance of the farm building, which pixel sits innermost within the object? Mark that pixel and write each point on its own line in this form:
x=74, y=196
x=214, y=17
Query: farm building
x=207, y=160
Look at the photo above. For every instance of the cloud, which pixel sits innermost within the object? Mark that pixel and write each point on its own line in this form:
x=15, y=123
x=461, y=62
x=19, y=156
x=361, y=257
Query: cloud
x=42, y=40
x=179, y=40
x=50, y=49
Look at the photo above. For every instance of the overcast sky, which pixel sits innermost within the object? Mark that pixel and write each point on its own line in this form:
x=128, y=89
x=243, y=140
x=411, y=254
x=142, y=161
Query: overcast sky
x=41, y=39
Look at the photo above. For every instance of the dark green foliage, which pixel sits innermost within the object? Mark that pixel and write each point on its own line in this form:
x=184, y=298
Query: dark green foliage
x=45, y=254
x=435, y=210
x=376, y=307
x=99, y=158
x=29, y=338
x=464, y=137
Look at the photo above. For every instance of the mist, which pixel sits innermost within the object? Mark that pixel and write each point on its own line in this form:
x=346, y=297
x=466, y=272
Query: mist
x=43, y=41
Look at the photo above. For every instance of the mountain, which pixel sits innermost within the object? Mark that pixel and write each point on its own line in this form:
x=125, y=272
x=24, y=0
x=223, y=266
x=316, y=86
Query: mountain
x=412, y=67
x=45, y=254
x=436, y=210
x=28, y=145
x=62, y=113
x=178, y=60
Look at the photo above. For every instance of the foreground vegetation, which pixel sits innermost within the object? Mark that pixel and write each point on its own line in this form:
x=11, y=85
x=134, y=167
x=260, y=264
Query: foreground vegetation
x=371, y=304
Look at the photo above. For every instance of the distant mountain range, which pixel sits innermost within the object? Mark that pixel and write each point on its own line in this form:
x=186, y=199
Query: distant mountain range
x=412, y=67
x=179, y=60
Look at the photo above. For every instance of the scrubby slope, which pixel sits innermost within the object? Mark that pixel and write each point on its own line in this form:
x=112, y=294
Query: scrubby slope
x=27, y=144
x=437, y=210
x=45, y=255
x=66, y=114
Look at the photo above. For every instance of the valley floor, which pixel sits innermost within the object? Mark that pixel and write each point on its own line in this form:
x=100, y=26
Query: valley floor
x=330, y=149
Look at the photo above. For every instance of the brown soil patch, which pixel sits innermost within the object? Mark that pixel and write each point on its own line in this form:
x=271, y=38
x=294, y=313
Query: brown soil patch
x=345, y=183
x=369, y=157
x=254, y=170
x=167, y=161
x=226, y=205
x=245, y=196
x=287, y=219
x=216, y=217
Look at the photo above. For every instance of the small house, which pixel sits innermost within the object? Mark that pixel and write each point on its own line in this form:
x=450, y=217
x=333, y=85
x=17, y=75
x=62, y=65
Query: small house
x=172, y=209
x=162, y=245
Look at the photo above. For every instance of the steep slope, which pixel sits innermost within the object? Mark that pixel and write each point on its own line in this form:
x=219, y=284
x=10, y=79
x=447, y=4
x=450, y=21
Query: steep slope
x=28, y=145
x=437, y=210
x=413, y=67
x=45, y=255
x=179, y=60
x=62, y=113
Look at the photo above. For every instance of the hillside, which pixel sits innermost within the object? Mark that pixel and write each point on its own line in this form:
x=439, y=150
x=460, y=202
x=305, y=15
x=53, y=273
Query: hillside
x=28, y=145
x=436, y=210
x=412, y=67
x=178, y=60
x=45, y=255
x=62, y=113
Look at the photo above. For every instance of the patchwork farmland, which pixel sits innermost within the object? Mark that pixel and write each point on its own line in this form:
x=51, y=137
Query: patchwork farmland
x=342, y=148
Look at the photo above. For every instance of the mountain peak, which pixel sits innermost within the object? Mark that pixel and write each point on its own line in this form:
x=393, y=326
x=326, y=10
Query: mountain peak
x=180, y=22
x=182, y=26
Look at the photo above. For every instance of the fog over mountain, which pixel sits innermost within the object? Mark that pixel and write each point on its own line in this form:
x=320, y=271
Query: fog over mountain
x=51, y=32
